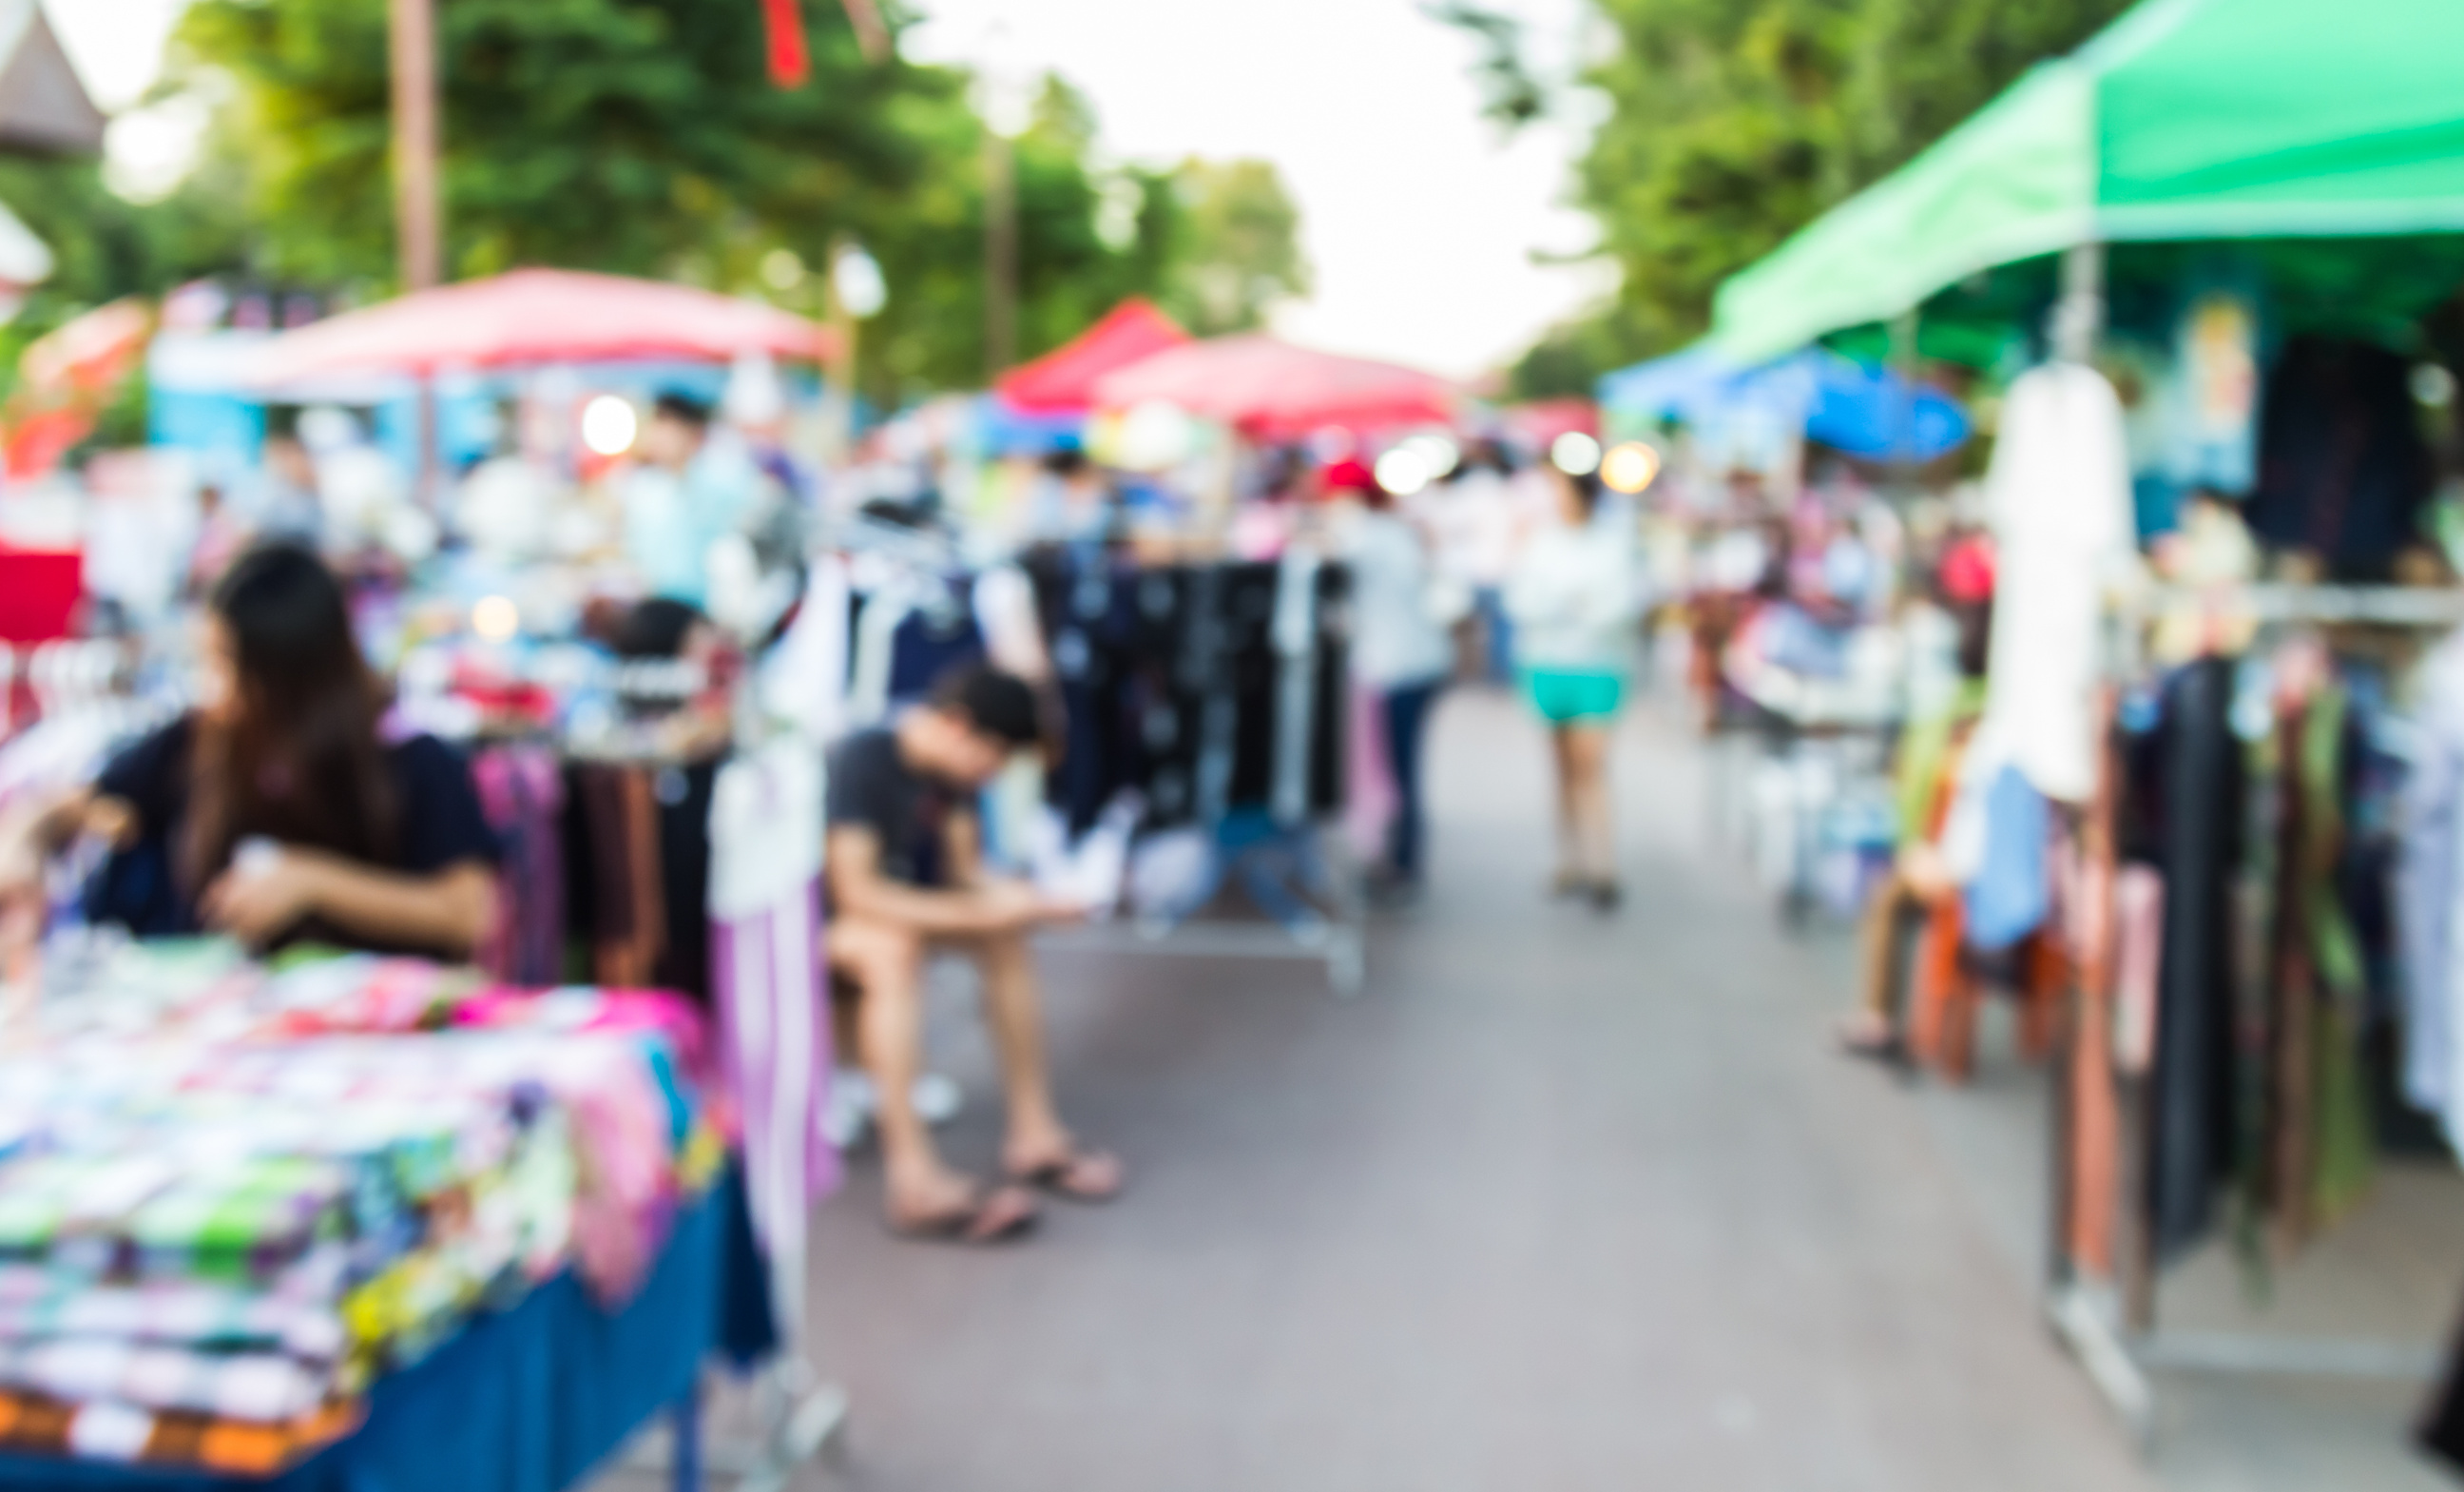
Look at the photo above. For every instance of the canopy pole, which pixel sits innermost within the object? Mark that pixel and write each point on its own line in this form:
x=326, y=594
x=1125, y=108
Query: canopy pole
x=418, y=219
x=839, y=437
x=1903, y=366
x=2078, y=315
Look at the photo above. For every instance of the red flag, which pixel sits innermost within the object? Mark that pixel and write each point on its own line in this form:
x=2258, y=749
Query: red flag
x=790, y=63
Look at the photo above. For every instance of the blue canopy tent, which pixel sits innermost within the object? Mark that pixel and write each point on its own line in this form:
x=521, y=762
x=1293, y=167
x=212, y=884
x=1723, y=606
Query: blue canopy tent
x=1871, y=414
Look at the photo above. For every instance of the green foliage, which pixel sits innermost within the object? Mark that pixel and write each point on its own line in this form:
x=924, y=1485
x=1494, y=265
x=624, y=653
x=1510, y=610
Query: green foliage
x=1732, y=123
x=105, y=247
x=1236, y=250
x=1511, y=95
x=643, y=137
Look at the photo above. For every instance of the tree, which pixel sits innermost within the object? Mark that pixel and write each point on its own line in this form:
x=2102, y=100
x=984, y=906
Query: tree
x=643, y=137
x=1732, y=123
x=1235, y=250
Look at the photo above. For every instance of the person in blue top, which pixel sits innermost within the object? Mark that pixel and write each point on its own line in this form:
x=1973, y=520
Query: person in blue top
x=274, y=810
x=687, y=492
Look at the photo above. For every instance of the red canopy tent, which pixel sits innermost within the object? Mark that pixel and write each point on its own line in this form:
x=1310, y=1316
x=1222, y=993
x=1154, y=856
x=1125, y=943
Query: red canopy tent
x=1273, y=390
x=535, y=316
x=1062, y=381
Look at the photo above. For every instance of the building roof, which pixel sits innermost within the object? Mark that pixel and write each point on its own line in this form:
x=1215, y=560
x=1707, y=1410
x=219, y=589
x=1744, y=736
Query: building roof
x=44, y=109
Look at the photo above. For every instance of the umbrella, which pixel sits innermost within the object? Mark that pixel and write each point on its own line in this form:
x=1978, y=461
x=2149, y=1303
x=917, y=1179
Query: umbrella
x=1868, y=413
x=1062, y=381
x=2185, y=119
x=1273, y=389
x=535, y=316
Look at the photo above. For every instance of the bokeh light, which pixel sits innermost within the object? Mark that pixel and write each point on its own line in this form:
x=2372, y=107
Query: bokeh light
x=1629, y=467
x=1437, y=453
x=1403, y=470
x=608, y=425
x=1575, y=453
x=496, y=618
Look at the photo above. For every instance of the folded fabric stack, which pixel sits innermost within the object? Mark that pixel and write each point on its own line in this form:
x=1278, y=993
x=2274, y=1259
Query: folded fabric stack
x=229, y=1199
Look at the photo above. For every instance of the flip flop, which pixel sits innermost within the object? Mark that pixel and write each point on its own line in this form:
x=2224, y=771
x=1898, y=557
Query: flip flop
x=990, y=1216
x=1066, y=1179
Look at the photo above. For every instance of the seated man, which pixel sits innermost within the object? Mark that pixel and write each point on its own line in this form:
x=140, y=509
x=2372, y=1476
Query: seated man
x=905, y=879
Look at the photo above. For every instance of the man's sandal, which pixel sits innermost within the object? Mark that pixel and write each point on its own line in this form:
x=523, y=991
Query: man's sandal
x=990, y=1216
x=1080, y=1177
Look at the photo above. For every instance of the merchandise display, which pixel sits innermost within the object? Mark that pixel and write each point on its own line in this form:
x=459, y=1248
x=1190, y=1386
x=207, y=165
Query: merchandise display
x=232, y=1197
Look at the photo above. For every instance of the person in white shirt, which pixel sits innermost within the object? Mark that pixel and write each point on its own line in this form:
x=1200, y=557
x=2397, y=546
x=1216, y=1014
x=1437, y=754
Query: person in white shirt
x=1474, y=524
x=1401, y=650
x=1575, y=597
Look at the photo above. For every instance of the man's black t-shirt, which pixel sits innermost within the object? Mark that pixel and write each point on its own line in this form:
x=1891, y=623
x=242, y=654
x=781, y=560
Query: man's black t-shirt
x=870, y=788
x=442, y=825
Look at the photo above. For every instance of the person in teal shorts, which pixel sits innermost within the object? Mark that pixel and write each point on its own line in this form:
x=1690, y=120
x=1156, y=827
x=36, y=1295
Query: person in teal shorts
x=1575, y=596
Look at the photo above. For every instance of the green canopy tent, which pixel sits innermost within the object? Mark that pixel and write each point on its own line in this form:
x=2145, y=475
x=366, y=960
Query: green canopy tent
x=2185, y=119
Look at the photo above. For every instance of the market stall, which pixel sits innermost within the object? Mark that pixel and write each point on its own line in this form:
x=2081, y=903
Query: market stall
x=356, y=1218
x=2253, y=214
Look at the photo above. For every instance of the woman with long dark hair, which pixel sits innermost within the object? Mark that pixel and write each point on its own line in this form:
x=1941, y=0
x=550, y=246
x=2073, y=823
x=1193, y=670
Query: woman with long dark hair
x=274, y=810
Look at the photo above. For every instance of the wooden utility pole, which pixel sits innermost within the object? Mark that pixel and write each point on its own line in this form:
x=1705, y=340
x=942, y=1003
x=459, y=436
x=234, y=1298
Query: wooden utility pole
x=1001, y=255
x=417, y=210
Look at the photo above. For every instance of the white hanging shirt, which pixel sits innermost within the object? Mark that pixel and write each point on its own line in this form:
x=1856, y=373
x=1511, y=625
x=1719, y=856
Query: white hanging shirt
x=2058, y=500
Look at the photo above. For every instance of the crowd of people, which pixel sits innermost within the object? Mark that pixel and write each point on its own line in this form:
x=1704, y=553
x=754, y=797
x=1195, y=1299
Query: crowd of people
x=295, y=797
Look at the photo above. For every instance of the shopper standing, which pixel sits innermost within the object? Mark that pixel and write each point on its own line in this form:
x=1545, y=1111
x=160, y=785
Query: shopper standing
x=1575, y=596
x=1472, y=521
x=687, y=492
x=1400, y=652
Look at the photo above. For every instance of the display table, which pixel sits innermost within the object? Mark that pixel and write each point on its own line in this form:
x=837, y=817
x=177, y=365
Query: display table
x=529, y=1401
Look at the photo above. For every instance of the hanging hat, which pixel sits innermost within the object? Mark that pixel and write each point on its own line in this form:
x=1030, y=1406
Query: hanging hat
x=1347, y=474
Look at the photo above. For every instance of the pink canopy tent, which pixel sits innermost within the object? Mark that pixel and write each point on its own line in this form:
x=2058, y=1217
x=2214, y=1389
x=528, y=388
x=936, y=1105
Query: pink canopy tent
x=1273, y=390
x=535, y=316
x=1062, y=381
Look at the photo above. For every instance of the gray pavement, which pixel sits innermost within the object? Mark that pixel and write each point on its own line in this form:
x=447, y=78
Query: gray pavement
x=1560, y=1202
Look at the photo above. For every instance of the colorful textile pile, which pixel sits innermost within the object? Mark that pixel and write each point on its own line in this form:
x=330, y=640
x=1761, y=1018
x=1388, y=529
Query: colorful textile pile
x=229, y=1199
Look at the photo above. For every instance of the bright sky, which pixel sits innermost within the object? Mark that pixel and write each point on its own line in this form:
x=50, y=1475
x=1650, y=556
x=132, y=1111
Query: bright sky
x=1420, y=223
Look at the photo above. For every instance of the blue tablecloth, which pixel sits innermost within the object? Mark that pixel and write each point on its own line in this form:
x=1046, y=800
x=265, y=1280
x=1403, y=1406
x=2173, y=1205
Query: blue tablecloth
x=528, y=1400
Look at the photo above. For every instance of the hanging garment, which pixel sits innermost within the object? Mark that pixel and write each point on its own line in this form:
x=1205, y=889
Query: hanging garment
x=2009, y=897
x=2138, y=951
x=764, y=899
x=2058, y=495
x=2190, y=1099
x=1005, y=614
x=521, y=791
x=2339, y=1136
x=682, y=795
x=1247, y=683
x=2429, y=890
x=1295, y=638
x=2343, y=468
x=1375, y=800
x=937, y=636
x=625, y=916
x=1329, y=761
x=803, y=681
x=1086, y=611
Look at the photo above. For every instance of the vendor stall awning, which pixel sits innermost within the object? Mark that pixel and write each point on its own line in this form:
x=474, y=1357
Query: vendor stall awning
x=537, y=316
x=2184, y=120
x=1864, y=412
x=1062, y=381
x=1273, y=389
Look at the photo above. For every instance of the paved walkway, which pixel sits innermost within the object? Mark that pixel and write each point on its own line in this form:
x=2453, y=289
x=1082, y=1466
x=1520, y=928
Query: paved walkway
x=1560, y=1203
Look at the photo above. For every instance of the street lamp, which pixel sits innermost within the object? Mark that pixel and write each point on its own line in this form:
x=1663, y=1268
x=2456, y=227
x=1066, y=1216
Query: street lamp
x=855, y=292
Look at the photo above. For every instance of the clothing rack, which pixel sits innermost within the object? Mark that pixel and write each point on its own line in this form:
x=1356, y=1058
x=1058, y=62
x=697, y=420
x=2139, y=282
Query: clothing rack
x=2111, y=1326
